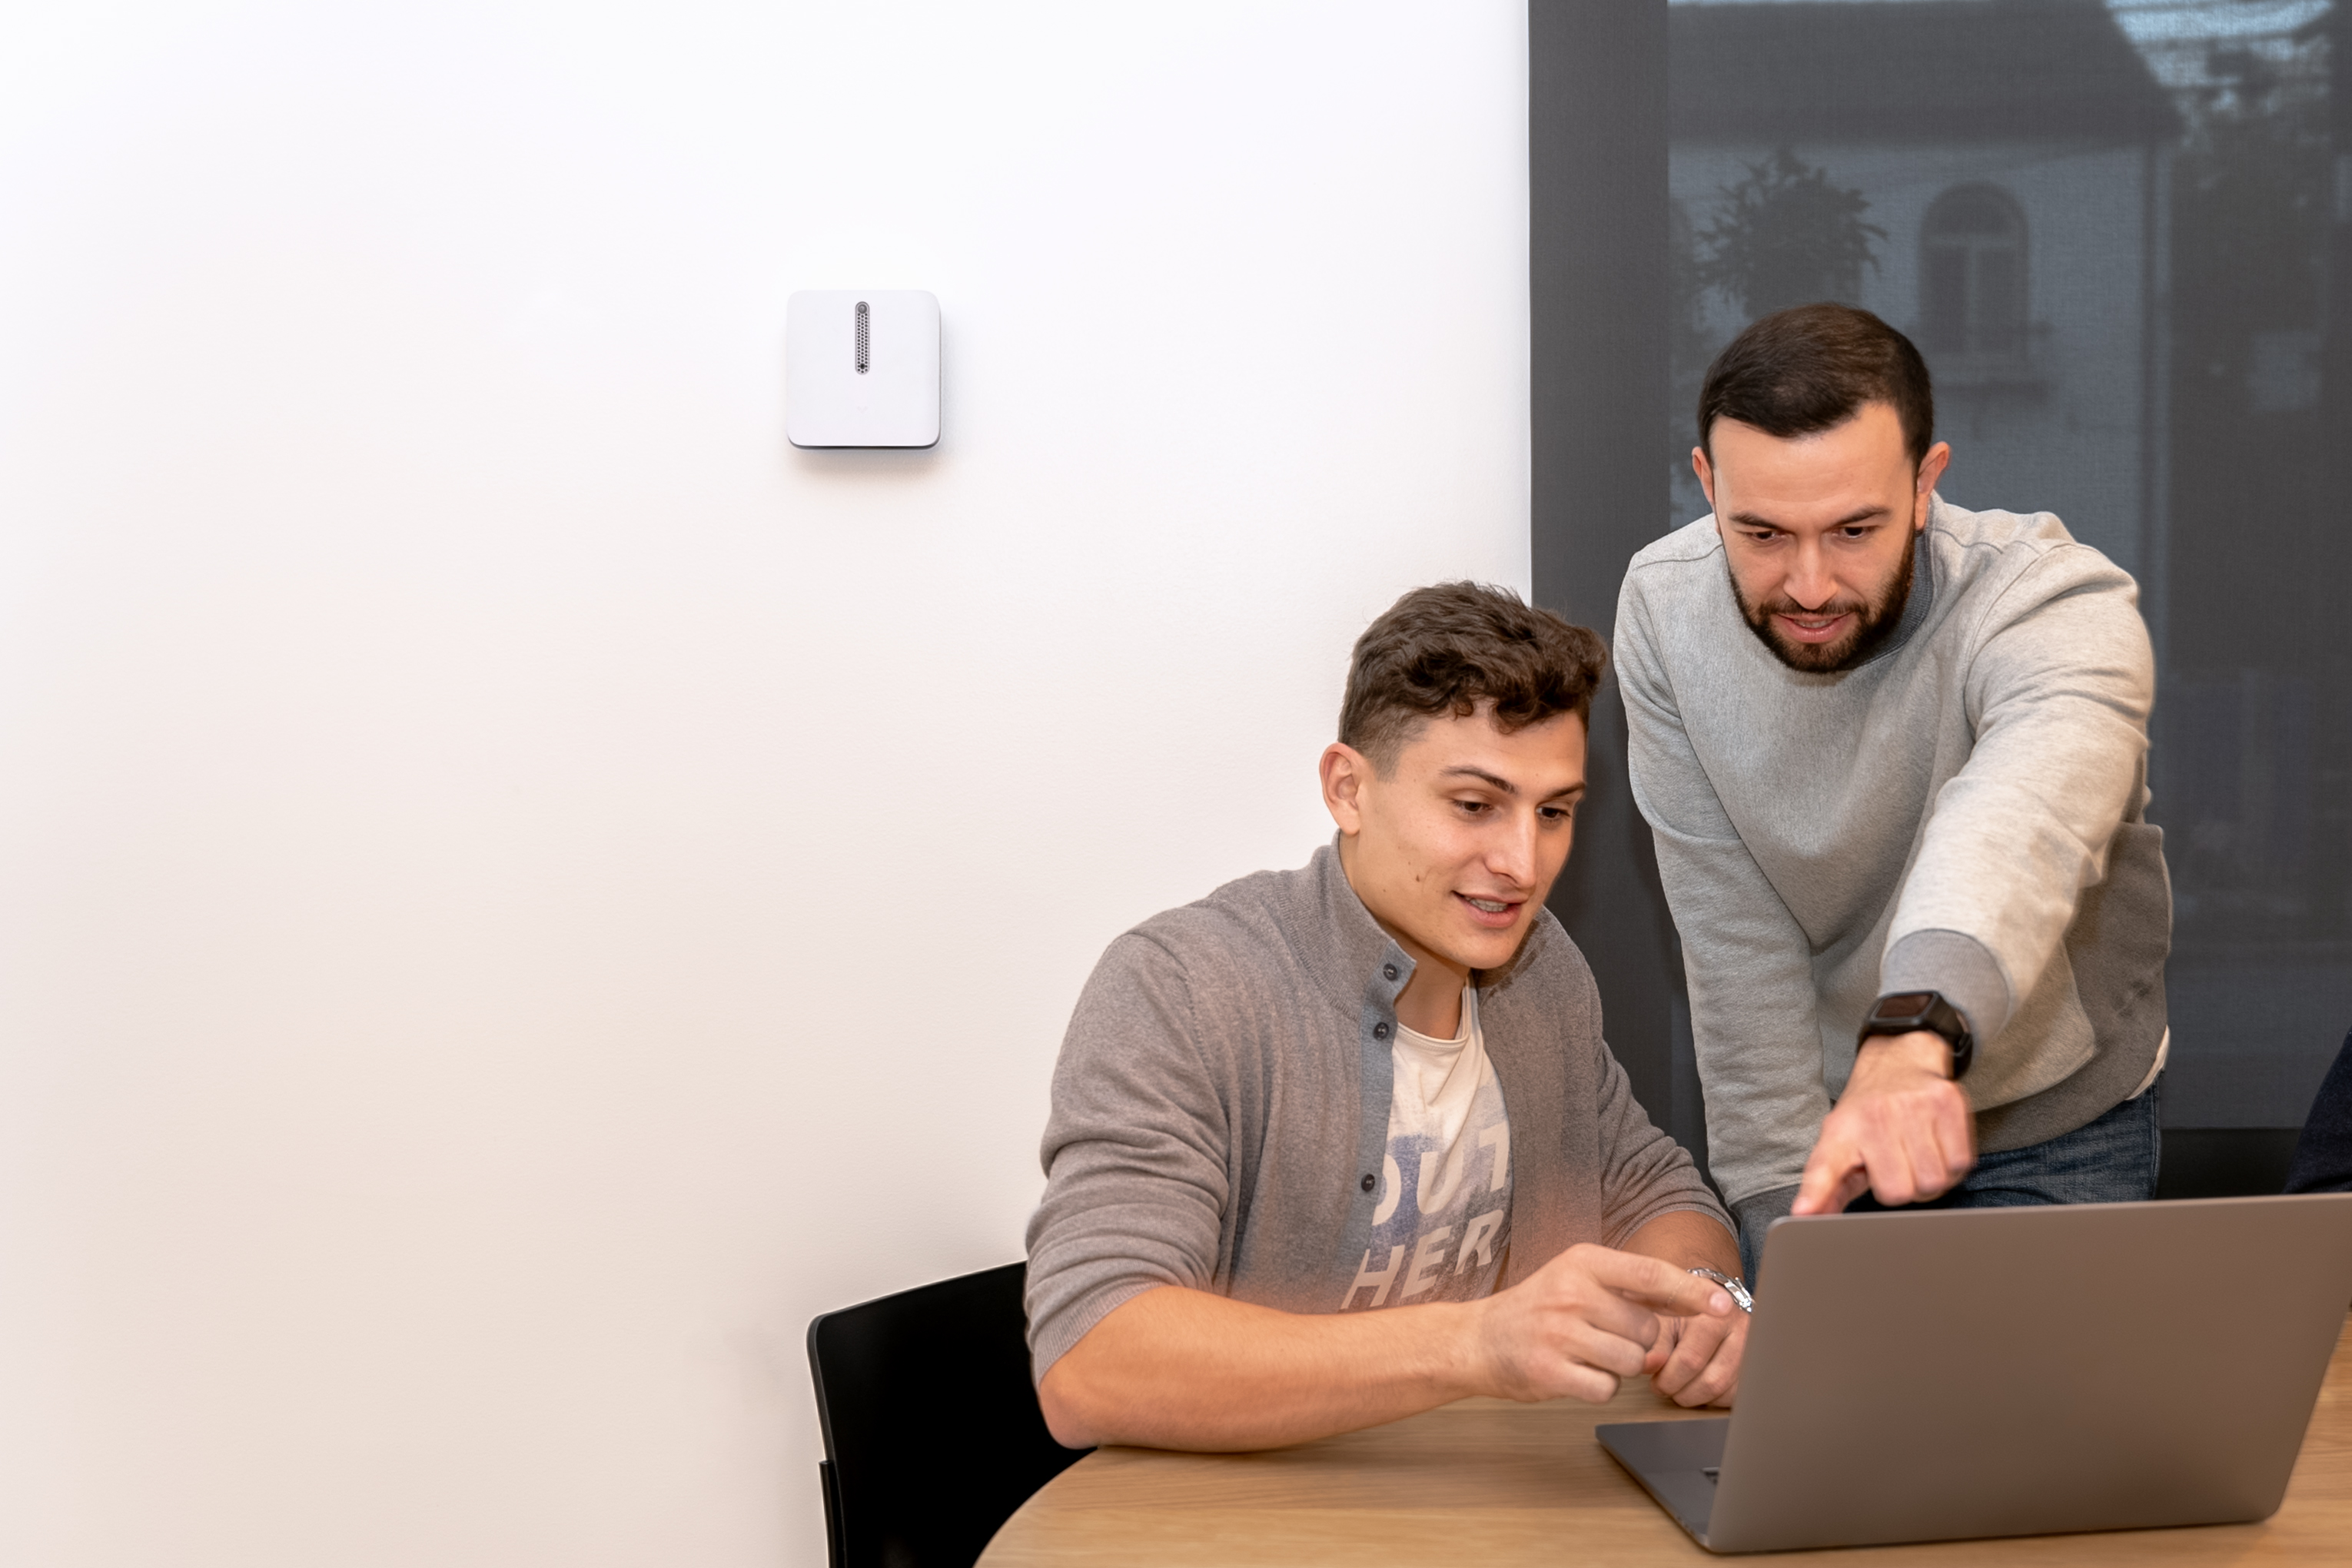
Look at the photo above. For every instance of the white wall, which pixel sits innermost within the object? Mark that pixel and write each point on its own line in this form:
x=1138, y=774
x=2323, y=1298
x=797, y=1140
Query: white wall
x=518, y=888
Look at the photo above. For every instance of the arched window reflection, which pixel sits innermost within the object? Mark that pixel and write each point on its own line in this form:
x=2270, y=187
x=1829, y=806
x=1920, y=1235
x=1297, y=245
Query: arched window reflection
x=1972, y=275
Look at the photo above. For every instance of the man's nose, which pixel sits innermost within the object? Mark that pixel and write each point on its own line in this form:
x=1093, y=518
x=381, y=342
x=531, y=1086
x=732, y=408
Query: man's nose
x=1810, y=583
x=1514, y=852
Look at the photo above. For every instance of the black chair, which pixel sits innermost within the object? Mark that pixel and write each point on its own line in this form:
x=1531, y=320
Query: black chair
x=2323, y=1155
x=2224, y=1162
x=932, y=1434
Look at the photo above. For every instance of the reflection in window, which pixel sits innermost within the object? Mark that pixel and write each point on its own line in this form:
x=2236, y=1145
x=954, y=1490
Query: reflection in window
x=2163, y=358
x=1972, y=275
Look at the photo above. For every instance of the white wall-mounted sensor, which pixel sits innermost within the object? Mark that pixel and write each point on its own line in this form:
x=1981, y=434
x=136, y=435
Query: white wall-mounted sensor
x=862, y=368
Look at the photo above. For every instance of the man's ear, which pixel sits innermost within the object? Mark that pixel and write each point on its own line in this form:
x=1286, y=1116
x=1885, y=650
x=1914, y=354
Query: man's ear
x=1923, y=483
x=1345, y=770
x=1706, y=472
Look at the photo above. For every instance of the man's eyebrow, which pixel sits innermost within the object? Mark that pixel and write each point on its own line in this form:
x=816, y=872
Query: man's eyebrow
x=1867, y=514
x=1504, y=784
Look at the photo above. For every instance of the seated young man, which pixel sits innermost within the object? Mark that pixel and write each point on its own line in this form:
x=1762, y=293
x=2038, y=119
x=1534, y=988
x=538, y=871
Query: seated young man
x=1338, y=1144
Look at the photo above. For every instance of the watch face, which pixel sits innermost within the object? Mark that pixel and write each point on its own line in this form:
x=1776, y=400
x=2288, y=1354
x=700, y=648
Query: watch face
x=1903, y=1004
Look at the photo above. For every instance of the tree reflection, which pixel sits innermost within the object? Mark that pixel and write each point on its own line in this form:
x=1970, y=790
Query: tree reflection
x=1785, y=235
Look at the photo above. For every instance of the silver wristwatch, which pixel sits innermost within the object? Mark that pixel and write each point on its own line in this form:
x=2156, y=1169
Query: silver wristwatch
x=1731, y=1287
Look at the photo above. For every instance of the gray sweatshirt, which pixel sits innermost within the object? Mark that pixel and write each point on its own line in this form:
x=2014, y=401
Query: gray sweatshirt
x=1962, y=814
x=1221, y=1108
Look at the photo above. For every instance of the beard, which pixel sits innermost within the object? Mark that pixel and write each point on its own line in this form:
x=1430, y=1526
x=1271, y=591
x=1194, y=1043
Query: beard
x=1874, y=622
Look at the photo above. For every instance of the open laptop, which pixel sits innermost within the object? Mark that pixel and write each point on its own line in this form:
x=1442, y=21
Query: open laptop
x=1937, y=1375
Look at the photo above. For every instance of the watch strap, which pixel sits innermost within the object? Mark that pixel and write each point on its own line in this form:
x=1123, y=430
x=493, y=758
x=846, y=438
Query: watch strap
x=1934, y=1014
x=1731, y=1287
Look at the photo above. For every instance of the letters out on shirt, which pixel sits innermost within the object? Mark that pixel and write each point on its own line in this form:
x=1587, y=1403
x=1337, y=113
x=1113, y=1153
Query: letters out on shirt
x=1442, y=1217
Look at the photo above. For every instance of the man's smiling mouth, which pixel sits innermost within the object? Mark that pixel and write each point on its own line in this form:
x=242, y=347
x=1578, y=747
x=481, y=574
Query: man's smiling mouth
x=1813, y=628
x=1490, y=906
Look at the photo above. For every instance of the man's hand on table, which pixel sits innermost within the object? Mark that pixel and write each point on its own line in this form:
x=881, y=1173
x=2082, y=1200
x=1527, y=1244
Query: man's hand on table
x=1695, y=1360
x=1901, y=1132
x=1592, y=1316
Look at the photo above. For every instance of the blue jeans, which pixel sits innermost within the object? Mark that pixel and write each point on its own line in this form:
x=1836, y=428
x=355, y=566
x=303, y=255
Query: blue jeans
x=2111, y=1159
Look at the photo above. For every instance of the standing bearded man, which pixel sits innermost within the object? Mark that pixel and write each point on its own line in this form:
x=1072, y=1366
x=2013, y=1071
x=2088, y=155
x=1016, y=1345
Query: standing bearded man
x=1894, y=757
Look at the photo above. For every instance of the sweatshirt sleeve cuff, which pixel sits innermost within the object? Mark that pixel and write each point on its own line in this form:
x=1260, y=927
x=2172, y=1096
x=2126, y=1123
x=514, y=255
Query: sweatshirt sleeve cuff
x=1959, y=966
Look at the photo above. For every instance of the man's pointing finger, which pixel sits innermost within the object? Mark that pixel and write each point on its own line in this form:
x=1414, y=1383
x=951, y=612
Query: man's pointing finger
x=1663, y=1288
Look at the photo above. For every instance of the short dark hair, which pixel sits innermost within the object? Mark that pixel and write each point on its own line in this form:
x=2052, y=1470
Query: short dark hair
x=1455, y=646
x=1805, y=369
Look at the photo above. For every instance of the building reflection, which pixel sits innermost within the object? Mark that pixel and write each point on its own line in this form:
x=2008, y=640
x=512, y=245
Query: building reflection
x=2118, y=234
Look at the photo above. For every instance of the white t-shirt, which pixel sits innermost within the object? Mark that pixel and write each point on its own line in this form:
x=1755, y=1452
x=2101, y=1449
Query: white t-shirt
x=1444, y=1210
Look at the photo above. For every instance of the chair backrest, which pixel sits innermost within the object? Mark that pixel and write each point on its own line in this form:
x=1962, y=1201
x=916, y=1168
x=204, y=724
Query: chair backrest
x=2323, y=1155
x=2225, y=1161
x=932, y=1434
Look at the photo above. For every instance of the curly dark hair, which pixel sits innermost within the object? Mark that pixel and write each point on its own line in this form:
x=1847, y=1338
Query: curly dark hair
x=1454, y=647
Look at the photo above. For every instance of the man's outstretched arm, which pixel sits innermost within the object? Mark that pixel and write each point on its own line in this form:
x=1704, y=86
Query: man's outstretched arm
x=2059, y=695
x=1177, y=1368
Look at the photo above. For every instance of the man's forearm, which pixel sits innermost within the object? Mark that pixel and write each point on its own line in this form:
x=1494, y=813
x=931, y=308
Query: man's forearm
x=1174, y=1368
x=1688, y=1240
x=1184, y=1369
x=1901, y=1130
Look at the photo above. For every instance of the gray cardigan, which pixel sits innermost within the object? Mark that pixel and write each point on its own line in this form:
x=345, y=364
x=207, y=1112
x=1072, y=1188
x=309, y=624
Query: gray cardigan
x=1963, y=813
x=1222, y=1097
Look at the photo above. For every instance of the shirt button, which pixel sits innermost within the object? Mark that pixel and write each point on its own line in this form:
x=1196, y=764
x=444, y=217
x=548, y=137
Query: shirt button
x=1368, y=1184
x=1388, y=972
x=1380, y=1031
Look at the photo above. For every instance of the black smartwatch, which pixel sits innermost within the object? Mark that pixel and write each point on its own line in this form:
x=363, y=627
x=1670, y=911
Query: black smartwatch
x=1906, y=1012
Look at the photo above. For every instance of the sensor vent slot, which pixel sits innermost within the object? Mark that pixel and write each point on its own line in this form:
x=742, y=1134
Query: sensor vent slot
x=865, y=336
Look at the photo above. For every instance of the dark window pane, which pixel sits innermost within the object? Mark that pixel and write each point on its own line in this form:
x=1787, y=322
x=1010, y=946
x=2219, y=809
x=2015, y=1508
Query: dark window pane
x=2122, y=234
x=1943, y=300
x=1999, y=324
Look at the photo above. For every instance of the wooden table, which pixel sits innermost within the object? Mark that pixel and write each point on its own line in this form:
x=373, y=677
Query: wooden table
x=1490, y=1482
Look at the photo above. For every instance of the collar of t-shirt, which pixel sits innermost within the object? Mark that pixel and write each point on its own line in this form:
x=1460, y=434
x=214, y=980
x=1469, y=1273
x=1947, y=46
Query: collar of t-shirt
x=1441, y=1075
